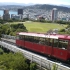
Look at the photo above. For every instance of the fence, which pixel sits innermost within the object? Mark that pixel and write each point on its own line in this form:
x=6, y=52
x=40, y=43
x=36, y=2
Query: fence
x=42, y=61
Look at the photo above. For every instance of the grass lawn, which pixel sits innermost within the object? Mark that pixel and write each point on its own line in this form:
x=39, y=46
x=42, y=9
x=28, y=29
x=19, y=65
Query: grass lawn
x=41, y=27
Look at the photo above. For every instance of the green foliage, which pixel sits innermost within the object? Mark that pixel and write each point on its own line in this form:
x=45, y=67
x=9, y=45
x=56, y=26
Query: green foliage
x=1, y=51
x=16, y=26
x=49, y=21
x=62, y=30
x=62, y=22
x=13, y=62
x=12, y=29
x=33, y=66
x=68, y=29
x=25, y=19
x=54, y=67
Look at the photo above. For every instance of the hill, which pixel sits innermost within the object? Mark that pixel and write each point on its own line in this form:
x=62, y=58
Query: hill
x=37, y=6
x=49, y=7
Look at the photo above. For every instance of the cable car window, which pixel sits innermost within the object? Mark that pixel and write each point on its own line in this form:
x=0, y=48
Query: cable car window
x=42, y=41
x=36, y=40
x=26, y=38
x=30, y=38
x=46, y=41
x=17, y=37
x=21, y=37
x=50, y=41
x=63, y=44
x=55, y=43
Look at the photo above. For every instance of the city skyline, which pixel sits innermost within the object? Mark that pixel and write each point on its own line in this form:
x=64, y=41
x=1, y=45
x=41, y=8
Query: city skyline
x=55, y=2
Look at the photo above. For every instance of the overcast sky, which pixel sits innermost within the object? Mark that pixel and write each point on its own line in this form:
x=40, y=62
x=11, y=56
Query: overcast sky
x=57, y=2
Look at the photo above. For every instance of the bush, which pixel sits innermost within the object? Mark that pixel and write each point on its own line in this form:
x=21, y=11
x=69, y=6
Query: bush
x=62, y=30
x=33, y=66
x=1, y=51
x=54, y=67
x=13, y=62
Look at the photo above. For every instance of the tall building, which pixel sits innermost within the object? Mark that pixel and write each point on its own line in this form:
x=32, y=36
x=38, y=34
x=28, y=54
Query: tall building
x=6, y=15
x=6, y=11
x=20, y=11
x=54, y=14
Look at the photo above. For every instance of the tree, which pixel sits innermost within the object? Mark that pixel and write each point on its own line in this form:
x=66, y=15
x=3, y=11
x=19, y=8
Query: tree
x=12, y=29
x=13, y=62
x=33, y=66
x=1, y=51
x=54, y=67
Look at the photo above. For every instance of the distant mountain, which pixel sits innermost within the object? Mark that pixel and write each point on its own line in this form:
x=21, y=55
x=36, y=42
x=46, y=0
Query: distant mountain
x=15, y=6
x=65, y=5
x=23, y=4
x=49, y=7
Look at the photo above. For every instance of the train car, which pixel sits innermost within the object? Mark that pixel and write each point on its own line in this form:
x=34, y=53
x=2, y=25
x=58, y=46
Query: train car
x=55, y=45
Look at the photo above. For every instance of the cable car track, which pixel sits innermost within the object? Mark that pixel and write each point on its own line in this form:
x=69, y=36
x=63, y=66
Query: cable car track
x=11, y=41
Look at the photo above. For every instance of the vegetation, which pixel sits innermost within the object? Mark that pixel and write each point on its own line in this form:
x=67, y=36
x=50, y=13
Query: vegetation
x=11, y=29
x=42, y=27
x=33, y=66
x=1, y=51
x=13, y=62
x=62, y=22
x=54, y=67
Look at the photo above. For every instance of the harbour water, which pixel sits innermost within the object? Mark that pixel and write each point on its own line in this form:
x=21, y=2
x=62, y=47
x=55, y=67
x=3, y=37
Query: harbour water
x=10, y=12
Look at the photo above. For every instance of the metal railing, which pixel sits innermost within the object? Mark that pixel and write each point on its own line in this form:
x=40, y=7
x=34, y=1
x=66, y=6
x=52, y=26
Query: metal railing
x=8, y=36
x=42, y=61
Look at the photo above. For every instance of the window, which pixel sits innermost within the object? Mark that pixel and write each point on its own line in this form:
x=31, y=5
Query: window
x=28, y=38
x=17, y=37
x=42, y=41
x=63, y=44
x=21, y=37
x=36, y=40
x=46, y=41
x=50, y=41
x=55, y=44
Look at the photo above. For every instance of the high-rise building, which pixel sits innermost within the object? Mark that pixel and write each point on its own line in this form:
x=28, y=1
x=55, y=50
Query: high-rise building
x=54, y=14
x=6, y=11
x=20, y=11
x=6, y=15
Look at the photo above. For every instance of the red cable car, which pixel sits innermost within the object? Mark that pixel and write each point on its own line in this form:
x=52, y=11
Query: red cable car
x=55, y=45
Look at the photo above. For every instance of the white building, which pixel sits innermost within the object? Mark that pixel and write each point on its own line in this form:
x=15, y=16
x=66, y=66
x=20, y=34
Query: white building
x=18, y=17
x=54, y=14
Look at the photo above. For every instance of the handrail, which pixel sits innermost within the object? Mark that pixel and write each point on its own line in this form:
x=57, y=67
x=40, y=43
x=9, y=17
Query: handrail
x=42, y=61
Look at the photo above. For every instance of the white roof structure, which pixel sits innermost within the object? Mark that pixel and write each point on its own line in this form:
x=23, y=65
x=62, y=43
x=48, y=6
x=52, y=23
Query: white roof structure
x=39, y=35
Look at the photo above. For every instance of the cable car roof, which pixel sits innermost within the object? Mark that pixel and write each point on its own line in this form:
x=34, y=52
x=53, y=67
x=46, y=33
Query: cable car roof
x=38, y=35
x=54, y=36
